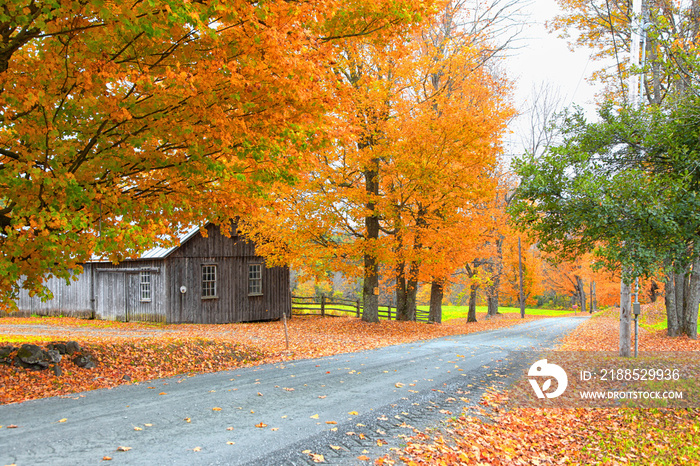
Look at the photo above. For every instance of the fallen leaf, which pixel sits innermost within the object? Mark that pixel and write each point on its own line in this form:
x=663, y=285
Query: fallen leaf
x=316, y=458
x=63, y=420
x=230, y=443
x=363, y=458
x=353, y=413
x=123, y=448
x=106, y=458
x=216, y=408
x=229, y=428
x=162, y=393
x=197, y=449
x=188, y=419
x=138, y=428
x=315, y=416
x=335, y=447
x=261, y=425
x=331, y=422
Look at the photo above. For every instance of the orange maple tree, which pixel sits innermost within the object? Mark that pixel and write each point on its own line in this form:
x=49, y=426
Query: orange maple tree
x=121, y=122
x=408, y=186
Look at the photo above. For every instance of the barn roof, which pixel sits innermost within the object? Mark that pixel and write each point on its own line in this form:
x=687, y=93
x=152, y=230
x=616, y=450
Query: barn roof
x=158, y=252
x=161, y=253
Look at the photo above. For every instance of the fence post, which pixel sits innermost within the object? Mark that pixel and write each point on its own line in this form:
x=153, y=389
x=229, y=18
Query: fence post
x=357, y=306
x=389, y=315
x=323, y=305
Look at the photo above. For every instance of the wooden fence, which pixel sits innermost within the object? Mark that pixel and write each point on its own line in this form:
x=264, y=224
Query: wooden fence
x=327, y=306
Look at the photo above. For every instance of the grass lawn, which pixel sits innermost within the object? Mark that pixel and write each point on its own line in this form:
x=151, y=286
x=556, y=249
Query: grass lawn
x=460, y=312
x=448, y=312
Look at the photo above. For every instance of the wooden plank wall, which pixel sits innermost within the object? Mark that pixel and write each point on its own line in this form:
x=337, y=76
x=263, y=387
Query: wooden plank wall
x=117, y=292
x=232, y=304
x=73, y=300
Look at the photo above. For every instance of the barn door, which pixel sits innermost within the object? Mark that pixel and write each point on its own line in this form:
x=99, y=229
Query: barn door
x=111, y=295
x=132, y=297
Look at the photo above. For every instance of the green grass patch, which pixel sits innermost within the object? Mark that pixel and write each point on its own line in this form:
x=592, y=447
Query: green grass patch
x=649, y=436
x=21, y=339
x=448, y=312
x=460, y=312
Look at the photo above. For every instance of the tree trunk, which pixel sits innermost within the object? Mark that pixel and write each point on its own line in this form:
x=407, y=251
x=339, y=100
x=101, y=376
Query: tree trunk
x=496, y=270
x=370, y=290
x=625, y=320
x=401, y=297
x=689, y=325
x=412, y=291
x=581, y=293
x=672, y=327
x=471, y=315
x=436, y=293
x=593, y=297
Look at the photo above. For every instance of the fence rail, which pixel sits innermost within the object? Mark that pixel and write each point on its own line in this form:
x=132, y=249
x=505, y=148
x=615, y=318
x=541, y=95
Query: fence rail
x=328, y=306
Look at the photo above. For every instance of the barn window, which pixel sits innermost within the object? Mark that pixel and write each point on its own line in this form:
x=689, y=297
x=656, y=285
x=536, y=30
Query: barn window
x=145, y=287
x=254, y=279
x=209, y=281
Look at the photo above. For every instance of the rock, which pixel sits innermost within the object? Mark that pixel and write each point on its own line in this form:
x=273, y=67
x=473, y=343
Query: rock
x=54, y=356
x=32, y=357
x=5, y=354
x=85, y=361
x=126, y=377
x=72, y=347
x=57, y=370
x=58, y=346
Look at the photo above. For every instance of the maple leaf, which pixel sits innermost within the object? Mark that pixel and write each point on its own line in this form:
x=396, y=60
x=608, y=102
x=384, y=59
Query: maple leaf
x=261, y=425
x=123, y=448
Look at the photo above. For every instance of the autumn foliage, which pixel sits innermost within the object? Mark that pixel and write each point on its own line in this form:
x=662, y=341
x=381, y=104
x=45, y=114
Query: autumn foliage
x=122, y=122
x=143, y=352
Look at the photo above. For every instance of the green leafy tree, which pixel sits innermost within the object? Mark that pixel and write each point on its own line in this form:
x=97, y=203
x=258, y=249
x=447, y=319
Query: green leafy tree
x=626, y=188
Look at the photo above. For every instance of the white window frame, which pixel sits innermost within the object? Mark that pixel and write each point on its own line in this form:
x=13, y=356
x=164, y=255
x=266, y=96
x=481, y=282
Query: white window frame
x=255, y=279
x=209, y=281
x=145, y=286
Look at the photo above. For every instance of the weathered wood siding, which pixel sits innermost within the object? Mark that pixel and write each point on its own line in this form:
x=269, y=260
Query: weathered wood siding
x=117, y=292
x=73, y=300
x=232, y=304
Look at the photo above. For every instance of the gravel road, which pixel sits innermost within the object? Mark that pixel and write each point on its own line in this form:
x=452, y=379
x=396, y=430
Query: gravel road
x=274, y=414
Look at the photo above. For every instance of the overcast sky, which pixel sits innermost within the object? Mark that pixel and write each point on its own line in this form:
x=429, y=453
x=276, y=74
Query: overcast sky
x=543, y=57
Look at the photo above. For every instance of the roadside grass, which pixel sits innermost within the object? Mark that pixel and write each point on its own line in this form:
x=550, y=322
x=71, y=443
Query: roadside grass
x=460, y=312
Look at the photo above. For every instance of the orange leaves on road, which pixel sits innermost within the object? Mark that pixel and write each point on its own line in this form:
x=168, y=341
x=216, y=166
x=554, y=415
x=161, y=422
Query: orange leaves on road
x=121, y=350
x=261, y=425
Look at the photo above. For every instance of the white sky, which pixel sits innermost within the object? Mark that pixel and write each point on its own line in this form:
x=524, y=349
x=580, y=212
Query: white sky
x=543, y=57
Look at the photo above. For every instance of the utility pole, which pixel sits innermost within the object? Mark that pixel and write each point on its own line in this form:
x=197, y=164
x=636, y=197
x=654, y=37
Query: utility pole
x=636, y=36
x=520, y=271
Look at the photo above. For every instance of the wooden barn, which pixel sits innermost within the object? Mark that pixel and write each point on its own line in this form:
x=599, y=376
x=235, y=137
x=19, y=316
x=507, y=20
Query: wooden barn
x=207, y=280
